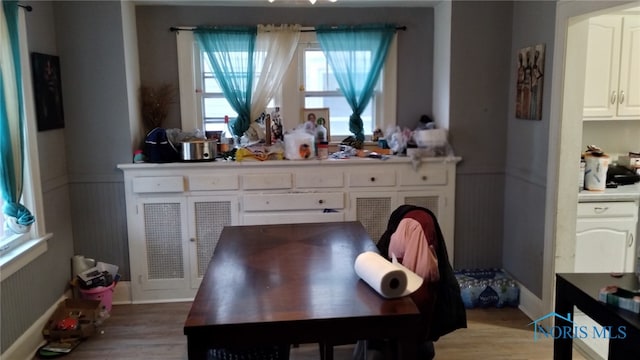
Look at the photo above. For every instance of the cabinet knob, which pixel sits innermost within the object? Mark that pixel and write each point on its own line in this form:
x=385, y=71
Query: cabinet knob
x=424, y=177
x=373, y=179
x=192, y=239
x=621, y=97
x=320, y=201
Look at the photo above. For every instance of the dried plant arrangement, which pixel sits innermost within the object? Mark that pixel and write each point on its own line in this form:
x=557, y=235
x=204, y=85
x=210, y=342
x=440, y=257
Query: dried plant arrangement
x=155, y=103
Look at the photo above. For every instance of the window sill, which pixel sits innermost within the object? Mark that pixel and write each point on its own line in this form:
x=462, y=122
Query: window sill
x=22, y=255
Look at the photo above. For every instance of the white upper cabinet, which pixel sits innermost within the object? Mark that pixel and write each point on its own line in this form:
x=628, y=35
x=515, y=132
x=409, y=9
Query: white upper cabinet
x=612, y=79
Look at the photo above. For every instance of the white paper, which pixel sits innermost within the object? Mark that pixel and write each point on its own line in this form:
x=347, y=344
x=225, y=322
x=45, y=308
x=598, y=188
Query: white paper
x=390, y=280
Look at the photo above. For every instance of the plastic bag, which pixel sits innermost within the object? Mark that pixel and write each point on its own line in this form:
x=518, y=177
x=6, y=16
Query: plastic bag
x=299, y=145
x=397, y=139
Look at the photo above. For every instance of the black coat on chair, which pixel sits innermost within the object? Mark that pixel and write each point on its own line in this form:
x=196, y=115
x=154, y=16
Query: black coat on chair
x=448, y=313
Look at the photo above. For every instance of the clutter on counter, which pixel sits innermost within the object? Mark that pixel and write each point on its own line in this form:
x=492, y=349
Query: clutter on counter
x=266, y=140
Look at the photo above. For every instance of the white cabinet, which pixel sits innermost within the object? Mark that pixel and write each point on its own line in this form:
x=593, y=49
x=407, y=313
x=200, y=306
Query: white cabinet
x=176, y=211
x=208, y=215
x=605, y=240
x=171, y=240
x=612, y=90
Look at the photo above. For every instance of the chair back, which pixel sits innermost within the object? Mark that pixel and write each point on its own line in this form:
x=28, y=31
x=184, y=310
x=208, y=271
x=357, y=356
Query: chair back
x=440, y=302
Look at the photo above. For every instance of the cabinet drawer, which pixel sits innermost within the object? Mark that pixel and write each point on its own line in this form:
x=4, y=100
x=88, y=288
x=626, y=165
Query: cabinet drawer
x=428, y=176
x=289, y=201
x=608, y=209
x=288, y=217
x=213, y=182
x=158, y=184
x=319, y=180
x=373, y=178
x=266, y=181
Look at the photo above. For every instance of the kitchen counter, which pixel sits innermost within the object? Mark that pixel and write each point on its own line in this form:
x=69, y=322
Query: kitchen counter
x=621, y=193
x=193, y=201
x=275, y=163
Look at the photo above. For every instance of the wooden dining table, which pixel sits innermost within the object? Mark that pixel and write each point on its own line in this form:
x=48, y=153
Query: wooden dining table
x=294, y=284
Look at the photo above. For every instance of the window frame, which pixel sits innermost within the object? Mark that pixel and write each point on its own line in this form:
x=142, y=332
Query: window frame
x=291, y=95
x=24, y=248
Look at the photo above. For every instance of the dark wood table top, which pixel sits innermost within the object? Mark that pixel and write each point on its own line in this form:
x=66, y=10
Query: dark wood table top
x=591, y=283
x=293, y=283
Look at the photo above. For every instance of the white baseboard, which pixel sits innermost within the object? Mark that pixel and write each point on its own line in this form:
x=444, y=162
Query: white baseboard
x=530, y=304
x=122, y=293
x=27, y=344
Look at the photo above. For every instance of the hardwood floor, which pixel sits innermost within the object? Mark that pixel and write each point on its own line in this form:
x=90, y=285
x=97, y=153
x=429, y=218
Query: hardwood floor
x=154, y=331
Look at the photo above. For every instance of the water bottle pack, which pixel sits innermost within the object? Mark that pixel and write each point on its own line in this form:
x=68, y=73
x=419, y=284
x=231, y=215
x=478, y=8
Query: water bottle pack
x=487, y=288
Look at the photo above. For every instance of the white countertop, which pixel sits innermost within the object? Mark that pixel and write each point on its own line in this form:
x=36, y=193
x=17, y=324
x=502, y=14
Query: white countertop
x=621, y=193
x=311, y=162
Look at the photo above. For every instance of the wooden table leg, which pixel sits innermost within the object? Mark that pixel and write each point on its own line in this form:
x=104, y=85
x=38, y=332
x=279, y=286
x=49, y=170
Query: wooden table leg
x=196, y=352
x=563, y=345
x=326, y=351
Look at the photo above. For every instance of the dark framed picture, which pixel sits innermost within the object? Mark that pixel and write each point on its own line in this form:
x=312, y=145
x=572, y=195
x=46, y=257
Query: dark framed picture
x=530, y=77
x=47, y=88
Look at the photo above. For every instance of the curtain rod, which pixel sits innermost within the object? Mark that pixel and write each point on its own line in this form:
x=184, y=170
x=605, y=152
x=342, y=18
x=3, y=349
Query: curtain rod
x=191, y=28
x=26, y=7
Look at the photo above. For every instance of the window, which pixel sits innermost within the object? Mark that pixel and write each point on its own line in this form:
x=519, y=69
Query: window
x=321, y=90
x=18, y=250
x=309, y=84
x=214, y=104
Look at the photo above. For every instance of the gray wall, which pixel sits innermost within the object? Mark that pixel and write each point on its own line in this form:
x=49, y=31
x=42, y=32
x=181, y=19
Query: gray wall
x=28, y=293
x=92, y=60
x=480, y=59
x=83, y=190
x=158, y=59
x=527, y=150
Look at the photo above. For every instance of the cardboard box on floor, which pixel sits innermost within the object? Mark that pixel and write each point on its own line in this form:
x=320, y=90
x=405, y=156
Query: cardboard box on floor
x=86, y=311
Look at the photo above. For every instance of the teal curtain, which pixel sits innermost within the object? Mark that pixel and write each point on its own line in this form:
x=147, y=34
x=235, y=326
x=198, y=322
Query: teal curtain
x=230, y=50
x=356, y=54
x=11, y=116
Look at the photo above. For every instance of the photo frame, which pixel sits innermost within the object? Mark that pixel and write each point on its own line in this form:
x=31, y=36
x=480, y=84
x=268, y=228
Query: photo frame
x=312, y=118
x=47, y=88
x=529, y=83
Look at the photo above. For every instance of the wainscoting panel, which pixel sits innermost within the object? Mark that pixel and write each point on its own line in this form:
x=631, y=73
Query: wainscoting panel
x=523, y=249
x=100, y=223
x=479, y=214
x=32, y=290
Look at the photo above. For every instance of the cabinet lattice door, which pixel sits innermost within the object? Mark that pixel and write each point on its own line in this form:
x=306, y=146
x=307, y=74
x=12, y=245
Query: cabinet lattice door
x=210, y=218
x=373, y=213
x=163, y=240
x=429, y=202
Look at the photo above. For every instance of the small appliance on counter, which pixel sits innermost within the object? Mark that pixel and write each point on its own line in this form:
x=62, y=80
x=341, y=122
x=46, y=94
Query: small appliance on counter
x=622, y=175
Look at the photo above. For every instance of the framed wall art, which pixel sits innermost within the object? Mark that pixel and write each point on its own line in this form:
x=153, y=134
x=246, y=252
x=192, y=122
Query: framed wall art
x=529, y=84
x=316, y=121
x=47, y=88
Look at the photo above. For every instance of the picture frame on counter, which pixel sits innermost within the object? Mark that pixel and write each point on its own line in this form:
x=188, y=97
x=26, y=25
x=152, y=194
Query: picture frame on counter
x=317, y=120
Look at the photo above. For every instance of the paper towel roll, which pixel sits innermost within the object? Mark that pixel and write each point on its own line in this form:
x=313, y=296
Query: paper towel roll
x=595, y=172
x=388, y=279
x=414, y=281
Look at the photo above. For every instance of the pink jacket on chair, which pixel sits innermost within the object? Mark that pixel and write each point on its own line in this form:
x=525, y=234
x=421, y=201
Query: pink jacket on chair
x=413, y=244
